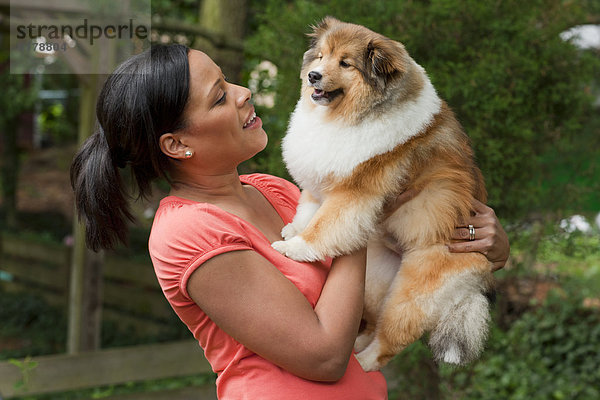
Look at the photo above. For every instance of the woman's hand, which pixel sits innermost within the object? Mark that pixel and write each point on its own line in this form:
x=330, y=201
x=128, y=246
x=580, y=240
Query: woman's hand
x=490, y=238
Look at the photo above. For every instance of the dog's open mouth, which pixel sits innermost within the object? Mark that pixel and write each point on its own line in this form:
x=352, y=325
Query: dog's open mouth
x=327, y=96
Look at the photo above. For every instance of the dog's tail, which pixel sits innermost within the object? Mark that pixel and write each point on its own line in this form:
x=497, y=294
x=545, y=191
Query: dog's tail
x=460, y=333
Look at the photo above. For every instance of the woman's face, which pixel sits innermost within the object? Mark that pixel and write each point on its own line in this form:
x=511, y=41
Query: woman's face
x=220, y=128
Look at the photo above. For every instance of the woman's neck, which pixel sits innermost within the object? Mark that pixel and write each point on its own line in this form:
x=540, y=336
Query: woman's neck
x=214, y=189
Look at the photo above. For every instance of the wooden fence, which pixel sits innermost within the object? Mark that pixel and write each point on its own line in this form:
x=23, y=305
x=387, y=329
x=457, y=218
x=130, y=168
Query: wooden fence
x=131, y=294
x=131, y=297
x=59, y=373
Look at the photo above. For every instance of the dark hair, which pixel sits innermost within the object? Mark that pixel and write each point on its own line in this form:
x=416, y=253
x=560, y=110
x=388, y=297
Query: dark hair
x=140, y=101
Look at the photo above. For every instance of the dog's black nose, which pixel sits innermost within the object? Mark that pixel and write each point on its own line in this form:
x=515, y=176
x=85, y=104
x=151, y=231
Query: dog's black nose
x=314, y=76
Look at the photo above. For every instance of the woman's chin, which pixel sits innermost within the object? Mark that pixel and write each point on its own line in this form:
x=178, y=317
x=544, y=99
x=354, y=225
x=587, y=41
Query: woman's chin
x=257, y=146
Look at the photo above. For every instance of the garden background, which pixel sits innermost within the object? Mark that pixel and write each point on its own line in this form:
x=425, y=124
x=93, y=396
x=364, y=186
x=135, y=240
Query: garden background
x=523, y=84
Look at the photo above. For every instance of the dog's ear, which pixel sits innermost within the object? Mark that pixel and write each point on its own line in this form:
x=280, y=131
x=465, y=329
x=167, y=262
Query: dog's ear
x=320, y=28
x=385, y=59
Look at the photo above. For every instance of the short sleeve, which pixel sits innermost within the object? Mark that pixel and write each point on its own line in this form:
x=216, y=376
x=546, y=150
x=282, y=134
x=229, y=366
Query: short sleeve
x=283, y=193
x=184, y=236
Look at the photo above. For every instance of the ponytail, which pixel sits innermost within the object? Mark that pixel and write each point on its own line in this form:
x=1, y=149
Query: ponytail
x=143, y=99
x=100, y=194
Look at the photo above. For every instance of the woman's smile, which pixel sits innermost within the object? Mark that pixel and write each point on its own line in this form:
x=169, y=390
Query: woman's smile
x=253, y=121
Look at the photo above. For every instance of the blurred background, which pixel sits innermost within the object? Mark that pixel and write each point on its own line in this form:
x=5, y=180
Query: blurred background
x=523, y=77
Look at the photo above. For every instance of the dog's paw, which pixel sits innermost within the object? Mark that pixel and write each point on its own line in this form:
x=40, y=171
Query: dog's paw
x=289, y=231
x=296, y=249
x=362, y=341
x=368, y=360
x=371, y=359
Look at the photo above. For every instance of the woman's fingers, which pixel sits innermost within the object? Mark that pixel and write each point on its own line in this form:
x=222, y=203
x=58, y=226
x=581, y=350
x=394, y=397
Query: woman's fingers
x=480, y=207
x=482, y=246
x=478, y=221
x=464, y=233
x=489, y=237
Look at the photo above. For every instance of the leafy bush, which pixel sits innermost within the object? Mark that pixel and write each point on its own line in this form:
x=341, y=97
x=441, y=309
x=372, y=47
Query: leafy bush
x=40, y=327
x=573, y=258
x=549, y=353
x=522, y=93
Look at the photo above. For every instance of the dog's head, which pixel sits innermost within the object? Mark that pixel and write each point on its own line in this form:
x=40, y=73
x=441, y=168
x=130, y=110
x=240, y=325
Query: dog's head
x=350, y=68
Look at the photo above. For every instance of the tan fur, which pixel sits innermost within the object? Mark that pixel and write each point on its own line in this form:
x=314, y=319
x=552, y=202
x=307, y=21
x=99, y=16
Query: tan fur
x=387, y=55
x=307, y=197
x=438, y=163
x=406, y=316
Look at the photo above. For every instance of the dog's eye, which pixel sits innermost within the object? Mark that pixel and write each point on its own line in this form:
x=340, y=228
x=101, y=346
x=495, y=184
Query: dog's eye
x=344, y=64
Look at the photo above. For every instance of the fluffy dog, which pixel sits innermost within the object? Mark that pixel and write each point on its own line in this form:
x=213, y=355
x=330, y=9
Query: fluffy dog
x=370, y=124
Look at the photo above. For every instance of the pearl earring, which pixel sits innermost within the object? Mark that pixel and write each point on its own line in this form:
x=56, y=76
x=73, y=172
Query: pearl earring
x=188, y=154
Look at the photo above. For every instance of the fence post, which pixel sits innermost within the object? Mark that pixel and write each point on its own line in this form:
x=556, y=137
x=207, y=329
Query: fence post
x=85, y=287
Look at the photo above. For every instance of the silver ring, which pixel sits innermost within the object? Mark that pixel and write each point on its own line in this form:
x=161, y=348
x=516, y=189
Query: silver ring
x=471, y=232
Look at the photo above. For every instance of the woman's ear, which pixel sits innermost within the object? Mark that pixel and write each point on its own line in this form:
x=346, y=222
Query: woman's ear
x=171, y=146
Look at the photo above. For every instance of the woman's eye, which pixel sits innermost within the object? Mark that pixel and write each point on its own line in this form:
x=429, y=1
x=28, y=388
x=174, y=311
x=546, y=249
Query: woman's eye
x=344, y=64
x=222, y=99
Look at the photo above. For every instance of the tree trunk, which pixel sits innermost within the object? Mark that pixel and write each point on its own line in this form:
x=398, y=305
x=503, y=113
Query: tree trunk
x=10, y=171
x=227, y=18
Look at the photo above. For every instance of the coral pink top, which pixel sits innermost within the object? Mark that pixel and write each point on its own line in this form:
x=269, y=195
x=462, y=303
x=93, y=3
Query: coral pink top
x=184, y=235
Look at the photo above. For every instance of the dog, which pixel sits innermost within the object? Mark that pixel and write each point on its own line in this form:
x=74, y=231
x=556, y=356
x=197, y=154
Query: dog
x=368, y=125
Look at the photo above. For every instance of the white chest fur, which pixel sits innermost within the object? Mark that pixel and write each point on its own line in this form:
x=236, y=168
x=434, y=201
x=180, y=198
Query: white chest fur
x=314, y=148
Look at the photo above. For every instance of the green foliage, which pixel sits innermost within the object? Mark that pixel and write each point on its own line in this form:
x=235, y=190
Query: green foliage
x=28, y=318
x=574, y=255
x=413, y=364
x=522, y=93
x=18, y=91
x=183, y=10
x=573, y=258
x=18, y=96
x=25, y=366
x=549, y=353
x=55, y=125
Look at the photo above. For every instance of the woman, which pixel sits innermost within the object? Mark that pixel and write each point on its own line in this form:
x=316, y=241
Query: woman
x=272, y=328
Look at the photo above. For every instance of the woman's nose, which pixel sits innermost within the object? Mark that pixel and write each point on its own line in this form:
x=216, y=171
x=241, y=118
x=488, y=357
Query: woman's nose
x=243, y=95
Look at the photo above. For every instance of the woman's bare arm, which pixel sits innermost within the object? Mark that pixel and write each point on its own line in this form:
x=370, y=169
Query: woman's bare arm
x=251, y=300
